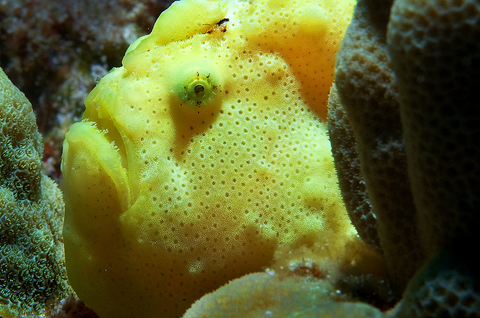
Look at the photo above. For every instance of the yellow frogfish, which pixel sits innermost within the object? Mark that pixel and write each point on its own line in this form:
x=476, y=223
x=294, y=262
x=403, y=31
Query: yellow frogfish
x=202, y=154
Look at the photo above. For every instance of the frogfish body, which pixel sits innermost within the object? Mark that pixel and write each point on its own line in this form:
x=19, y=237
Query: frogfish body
x=202, y=154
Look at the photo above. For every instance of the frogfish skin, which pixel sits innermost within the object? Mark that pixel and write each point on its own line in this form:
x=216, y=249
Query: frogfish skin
x=202, y=154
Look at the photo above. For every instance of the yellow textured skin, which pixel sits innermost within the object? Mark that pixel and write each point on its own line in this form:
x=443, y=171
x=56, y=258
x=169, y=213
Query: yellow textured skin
x=202, y=154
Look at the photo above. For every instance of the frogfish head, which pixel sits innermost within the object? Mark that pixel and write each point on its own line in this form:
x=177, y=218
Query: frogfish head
x=202, y=154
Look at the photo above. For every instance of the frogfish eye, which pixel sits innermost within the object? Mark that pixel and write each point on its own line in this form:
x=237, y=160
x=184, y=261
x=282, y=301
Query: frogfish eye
x=198, y=91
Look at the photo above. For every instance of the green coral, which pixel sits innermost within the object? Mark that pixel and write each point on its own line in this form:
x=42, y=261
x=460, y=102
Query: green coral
x=32, y=271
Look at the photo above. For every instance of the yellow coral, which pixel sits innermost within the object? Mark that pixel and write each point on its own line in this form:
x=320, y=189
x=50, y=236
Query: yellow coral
x=202, y=154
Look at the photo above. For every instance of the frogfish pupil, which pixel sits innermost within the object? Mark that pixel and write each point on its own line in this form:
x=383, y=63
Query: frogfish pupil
x=199, y=89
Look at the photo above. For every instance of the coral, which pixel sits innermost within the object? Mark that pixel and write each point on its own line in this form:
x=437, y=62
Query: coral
x=202, y=154
x=262, y=294
x=447, y=286
x=407, y=80
x=350, y=177
x=368, y=93
x=438, y=72
x=32, y=268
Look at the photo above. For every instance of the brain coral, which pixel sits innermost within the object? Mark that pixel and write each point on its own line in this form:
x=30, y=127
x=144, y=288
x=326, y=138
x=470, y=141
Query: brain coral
x=32, y=268
x=202, y=154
